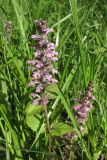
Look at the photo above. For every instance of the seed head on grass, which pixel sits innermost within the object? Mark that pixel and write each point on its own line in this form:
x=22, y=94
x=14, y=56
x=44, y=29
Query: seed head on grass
x=44, y=55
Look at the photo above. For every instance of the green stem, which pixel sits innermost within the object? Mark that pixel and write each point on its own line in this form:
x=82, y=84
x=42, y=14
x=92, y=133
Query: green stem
x=48, y=128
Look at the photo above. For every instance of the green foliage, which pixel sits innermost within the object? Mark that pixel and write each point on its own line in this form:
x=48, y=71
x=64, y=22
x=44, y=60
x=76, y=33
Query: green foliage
x=60, y=129
x=33, y=110
x=33, y=122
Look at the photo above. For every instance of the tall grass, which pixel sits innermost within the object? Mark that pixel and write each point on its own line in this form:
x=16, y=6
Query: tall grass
x=81, y=40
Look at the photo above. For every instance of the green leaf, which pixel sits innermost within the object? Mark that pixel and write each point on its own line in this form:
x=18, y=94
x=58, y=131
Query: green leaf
x=60, y=129
x=52, y=96
x=53, y=88
x=33, y=122
x=33, y=110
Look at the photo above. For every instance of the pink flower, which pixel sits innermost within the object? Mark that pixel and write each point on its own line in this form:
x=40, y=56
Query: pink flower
x=50, y=46
x=37, y=54
x=33, y=95
x=36, y=101
x=39, y=89
x=36, y=75
x=46, y=30
x=77, y=107
x=31, y=84
x=31, y=62
x=39, y=65
x=37, y=37
x=49, y=77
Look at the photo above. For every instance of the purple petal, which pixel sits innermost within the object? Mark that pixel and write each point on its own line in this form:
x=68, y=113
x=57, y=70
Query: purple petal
x=39, y=89
x=77, y=107
x=36, y=75
x=46, y=30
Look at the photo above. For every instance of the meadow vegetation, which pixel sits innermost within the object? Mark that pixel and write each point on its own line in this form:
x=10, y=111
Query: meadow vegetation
x=37, y=132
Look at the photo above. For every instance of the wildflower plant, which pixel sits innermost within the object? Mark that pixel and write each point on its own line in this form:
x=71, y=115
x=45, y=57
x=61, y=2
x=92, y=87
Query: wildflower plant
x=82, y=109
x=81, y=112
x=43, y=71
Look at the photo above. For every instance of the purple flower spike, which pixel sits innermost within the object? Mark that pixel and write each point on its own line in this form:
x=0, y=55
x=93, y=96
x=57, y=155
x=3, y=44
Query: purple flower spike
x=83, y=108
x=44, y=55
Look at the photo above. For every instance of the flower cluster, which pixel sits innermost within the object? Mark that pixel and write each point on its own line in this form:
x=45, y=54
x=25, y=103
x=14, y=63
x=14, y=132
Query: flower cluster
x=44, y=55
x=83, y=107
x=82, y=110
